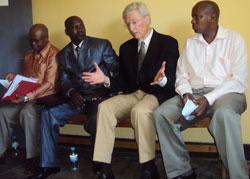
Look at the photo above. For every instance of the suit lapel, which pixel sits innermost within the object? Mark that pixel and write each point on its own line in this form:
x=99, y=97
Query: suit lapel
x=83, y=52
x=151, y=48
x=133, y=56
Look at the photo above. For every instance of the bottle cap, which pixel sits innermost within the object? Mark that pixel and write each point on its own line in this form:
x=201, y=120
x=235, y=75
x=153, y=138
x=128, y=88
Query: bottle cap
x=14, y=137
x=72, y=148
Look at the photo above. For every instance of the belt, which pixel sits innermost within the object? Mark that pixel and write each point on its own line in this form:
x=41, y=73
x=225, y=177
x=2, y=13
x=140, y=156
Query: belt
x=101, y=93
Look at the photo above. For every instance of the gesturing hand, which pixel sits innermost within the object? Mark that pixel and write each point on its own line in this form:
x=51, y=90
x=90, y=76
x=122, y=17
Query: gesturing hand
x=160, y=74
x=95, y=77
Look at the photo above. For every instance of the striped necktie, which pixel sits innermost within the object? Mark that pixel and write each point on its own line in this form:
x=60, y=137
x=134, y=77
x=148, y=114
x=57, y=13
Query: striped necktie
x=77, y=51
x=141, y=55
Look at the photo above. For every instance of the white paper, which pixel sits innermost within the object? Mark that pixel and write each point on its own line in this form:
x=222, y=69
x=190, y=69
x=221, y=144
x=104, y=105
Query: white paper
x=5, y=83
x=15, y=83
x=4, y=2
x=189, y=107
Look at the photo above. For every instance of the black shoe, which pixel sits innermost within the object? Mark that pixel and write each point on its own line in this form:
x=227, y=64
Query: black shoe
x=32, y=165
x=191, y=176
x=44, y=173
x=149, y=171
x=97, y=168
x=104, y=175
x=106, y=172
x=3, y=160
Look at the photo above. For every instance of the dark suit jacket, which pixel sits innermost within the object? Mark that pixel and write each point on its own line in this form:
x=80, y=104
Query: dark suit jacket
x=161, y=48
x=71, y=69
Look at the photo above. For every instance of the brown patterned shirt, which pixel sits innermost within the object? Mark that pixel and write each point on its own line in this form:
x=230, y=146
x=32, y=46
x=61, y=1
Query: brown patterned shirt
x=44, y=67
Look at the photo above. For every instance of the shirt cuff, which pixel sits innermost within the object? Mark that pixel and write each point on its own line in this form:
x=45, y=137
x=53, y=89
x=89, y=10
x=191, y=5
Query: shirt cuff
x=107, y=85
x=163, y=82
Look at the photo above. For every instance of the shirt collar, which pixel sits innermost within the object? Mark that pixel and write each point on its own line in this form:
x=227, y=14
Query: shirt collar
x=147, y=40
x=221, y=34
x=80, y=44
x=44, y=51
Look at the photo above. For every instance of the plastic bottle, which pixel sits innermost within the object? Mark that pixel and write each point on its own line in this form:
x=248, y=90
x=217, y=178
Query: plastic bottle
x=15, y=146
x=73, y=157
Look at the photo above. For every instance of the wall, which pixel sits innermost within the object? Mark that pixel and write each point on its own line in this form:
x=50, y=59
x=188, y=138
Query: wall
x=103, y=19
x=16, y=19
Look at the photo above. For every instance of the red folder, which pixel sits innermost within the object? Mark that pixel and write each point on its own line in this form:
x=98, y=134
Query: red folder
x=22, y=89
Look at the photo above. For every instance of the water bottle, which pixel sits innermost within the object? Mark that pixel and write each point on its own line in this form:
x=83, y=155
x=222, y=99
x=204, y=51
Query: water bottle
x=15, y=146
x=73, y=157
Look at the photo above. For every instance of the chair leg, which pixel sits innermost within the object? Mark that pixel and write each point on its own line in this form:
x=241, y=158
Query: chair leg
x=223, y=172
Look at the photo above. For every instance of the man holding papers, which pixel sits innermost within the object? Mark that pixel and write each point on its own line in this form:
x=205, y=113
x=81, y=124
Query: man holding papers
x=40, y=63
x=212, y=72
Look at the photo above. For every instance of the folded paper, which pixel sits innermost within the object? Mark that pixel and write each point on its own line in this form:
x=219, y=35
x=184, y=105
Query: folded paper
x=189, y=107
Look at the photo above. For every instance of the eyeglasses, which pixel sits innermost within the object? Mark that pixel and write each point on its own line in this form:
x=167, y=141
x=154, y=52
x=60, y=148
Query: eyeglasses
x=134, y=23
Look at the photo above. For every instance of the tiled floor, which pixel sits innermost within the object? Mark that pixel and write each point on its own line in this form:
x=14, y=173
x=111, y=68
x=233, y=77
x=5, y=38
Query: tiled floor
x=125, y=166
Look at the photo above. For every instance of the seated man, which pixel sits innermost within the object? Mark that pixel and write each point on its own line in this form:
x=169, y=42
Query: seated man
x=40, y=63
x=212, y=71
x=140, y=59
x=77, y=57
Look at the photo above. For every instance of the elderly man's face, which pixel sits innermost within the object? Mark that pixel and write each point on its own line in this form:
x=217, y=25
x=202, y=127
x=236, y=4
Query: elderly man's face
x=137, y=25
x=37, y=40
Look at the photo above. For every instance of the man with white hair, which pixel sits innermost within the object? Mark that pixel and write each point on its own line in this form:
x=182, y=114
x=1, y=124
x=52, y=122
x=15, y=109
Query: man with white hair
x=140, y=59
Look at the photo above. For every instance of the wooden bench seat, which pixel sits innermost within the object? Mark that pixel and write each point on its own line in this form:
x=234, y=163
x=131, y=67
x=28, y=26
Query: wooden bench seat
x=131, y=144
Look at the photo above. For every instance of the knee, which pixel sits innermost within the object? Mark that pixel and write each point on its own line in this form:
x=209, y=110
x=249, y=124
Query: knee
x=137, y=111
x=157, y=114
x=24, y=114
x=104, y=106
x=159, y=117
x=222, y=116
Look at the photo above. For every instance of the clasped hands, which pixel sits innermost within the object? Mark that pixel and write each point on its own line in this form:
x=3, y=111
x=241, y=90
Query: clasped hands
x=201, y=102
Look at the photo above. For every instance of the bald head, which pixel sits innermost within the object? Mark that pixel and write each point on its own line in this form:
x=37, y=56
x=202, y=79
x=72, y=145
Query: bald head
x=38, y=37
x=41, y=28
x=209, y=7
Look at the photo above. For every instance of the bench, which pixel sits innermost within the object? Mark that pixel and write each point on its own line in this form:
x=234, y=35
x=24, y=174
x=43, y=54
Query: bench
x=81, y=119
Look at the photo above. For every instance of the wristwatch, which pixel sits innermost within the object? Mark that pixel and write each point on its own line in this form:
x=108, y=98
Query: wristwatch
x=26, y=99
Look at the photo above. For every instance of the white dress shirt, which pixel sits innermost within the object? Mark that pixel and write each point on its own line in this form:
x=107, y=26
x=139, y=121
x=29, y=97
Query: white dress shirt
x=146, y=41
x=222, y=64
x=74, y=47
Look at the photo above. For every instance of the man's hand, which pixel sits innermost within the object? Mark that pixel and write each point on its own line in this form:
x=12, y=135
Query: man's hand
x=187, y=96
x=19, y=99
x=95, y=77
x=160, y=75
x=202, y=106
x=77, y=98
x=10, y=76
